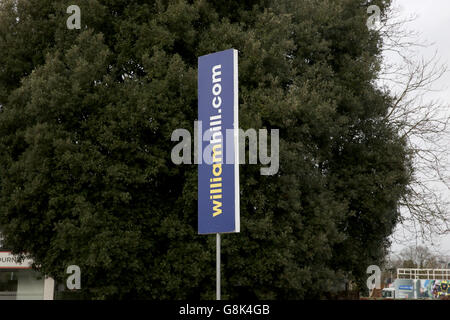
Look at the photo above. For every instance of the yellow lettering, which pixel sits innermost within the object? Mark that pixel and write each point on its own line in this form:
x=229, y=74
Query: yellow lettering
x=217, y=208
x=217, y=154
x=217, y=166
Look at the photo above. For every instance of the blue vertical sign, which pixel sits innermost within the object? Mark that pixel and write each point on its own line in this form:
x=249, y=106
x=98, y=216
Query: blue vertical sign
x=218, y=168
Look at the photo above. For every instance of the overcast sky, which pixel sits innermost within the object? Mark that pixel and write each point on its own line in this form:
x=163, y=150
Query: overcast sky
x=433, y=23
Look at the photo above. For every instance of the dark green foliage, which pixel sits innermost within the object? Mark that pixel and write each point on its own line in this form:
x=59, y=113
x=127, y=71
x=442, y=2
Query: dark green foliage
x=85, y=126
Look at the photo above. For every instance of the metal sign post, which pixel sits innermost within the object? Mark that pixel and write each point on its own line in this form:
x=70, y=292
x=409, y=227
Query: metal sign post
x=218, y=266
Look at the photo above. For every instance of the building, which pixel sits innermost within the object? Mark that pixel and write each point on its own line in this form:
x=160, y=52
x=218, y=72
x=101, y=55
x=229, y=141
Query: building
x=18, y=281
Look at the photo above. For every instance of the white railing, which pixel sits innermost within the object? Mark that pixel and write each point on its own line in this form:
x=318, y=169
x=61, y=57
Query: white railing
x=425, y=274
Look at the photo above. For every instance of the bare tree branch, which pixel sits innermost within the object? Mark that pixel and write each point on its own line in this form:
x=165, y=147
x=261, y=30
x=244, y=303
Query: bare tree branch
x=422, y=122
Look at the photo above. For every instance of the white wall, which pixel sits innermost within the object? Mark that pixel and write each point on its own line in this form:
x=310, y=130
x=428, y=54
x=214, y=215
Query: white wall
x=29, y=286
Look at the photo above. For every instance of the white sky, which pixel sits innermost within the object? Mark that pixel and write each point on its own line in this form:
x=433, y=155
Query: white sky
x=433, y=24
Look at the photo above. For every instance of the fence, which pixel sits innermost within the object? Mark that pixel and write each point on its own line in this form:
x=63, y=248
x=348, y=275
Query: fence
x=425, y=274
